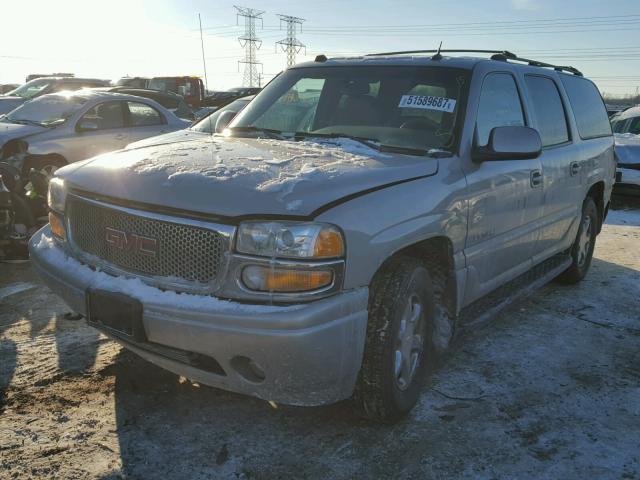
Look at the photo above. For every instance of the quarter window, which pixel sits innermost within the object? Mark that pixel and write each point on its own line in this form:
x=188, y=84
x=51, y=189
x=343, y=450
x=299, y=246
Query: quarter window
x=106, y=115
x=142, y=115
x=500, y=105
x=548, y=110
x=588, y=107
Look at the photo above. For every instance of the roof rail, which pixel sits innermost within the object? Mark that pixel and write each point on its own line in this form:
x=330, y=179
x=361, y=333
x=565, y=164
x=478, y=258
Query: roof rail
x=500, y=55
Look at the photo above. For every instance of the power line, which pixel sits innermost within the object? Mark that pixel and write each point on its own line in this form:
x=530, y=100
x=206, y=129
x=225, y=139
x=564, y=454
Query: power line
x=291, y=44
x=251, y=44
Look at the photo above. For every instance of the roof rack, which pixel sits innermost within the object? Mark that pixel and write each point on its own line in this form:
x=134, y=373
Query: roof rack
x=500, y=55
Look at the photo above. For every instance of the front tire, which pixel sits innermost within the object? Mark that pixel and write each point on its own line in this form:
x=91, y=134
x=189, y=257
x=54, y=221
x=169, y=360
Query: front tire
x=398, y=346
x=46, y=165
x=584, y=244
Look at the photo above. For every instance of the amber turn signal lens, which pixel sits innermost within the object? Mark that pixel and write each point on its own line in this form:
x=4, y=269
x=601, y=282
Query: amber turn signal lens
x=57, y=226
x=329, y=244
x=267, y=279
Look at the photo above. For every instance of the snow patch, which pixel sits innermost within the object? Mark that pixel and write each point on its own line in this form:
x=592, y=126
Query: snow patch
x=147, y=294
x=629, y=218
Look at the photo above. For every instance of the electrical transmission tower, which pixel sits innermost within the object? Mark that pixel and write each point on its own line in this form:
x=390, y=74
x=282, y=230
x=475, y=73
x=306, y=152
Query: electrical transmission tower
x=251, y=44
x=291, y=44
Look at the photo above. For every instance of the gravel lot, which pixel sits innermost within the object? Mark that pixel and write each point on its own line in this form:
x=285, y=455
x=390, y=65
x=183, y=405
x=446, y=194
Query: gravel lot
x=548, y=389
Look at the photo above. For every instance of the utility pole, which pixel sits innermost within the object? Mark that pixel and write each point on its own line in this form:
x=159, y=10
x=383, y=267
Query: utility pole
x=204, y=62
x=291, y=44
x=251, y=44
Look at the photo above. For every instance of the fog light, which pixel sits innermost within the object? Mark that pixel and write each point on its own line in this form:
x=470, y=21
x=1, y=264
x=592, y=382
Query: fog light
x=285, y=280
x=57, y=226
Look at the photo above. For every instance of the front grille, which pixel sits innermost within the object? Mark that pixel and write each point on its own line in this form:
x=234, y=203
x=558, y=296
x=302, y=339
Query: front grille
x=184, y=253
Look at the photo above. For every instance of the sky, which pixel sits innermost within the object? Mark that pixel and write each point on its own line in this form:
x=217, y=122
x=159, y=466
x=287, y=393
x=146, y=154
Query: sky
x=161, y=37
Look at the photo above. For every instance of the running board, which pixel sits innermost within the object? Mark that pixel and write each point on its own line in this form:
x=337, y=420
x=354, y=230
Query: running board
x=484, y=309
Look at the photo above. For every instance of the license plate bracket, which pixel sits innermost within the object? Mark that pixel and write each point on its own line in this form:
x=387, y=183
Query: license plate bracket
x=115, y=312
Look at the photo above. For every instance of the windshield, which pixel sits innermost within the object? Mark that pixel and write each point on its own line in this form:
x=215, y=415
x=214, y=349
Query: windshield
x=208, y=124
x=164, y=84
x=405, y=107
x=47, y=111
x=31, y=89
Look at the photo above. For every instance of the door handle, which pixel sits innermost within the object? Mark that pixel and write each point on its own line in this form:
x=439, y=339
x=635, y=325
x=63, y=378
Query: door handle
x=536, y=178
x=574, y=168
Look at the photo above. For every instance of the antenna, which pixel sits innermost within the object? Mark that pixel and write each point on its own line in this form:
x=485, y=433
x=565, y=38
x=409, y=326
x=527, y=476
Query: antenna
x=251, y=44
x=204, y=62
x=438, y=55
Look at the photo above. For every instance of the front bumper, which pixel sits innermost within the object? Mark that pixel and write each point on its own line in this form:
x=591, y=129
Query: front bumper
x=310, y=353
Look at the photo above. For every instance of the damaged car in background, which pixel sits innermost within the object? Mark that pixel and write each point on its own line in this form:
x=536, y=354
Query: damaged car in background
x=45, y=85
x=626, y=126
x=54, y=130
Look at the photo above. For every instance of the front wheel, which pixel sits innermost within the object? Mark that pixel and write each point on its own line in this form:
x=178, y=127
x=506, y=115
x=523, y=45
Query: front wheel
x=398, y=346
x=584, y=244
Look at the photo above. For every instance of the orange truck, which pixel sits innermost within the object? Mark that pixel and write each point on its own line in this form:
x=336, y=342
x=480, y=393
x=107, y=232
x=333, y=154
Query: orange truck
x=190, y=87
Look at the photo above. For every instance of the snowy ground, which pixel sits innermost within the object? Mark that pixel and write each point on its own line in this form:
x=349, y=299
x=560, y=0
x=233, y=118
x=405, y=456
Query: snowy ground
x=549, y=389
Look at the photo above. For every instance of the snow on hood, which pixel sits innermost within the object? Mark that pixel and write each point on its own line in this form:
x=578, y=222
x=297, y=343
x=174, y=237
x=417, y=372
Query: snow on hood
x=627, y=147
x=10, y=131
x=186, y=135
x=8, y=103
x=238, y=176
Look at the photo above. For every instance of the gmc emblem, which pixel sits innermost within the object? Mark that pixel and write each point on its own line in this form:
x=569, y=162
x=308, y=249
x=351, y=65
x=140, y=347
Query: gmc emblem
x=131, y=242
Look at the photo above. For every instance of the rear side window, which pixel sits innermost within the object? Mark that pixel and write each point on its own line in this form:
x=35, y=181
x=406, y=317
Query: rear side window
x=142, y=115
x=548, y=110
x=634, y=127
x=500, y=105
x=588, y=107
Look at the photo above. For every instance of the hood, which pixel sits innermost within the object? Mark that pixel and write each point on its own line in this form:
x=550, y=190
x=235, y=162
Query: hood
x=628, y=148
x=172, y=137
x=238, y=176
x=10, y=131
x=9, y=103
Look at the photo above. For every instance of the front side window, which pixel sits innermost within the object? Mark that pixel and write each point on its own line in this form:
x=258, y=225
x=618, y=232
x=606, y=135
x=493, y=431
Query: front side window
x=500, y=105
x=47, y=110
x=164, y=84
x=547, y=110
x=405, y=107
x=105, y=115
x=142, y=115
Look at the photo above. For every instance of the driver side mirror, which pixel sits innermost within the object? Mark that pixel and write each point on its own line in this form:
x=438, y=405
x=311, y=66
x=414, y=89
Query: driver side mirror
x=224, y=120
x=87, y=126
x=509, y=143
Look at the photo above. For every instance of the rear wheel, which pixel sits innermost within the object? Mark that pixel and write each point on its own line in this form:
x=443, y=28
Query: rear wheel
x=584, y=244
x=46, y=165
x=398, y=346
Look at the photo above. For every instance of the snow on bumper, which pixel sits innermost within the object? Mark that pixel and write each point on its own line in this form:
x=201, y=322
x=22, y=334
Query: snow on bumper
x=310, y=353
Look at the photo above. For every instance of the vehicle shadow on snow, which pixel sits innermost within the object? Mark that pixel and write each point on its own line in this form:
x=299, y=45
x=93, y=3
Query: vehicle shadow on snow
x=9, y=356
x=180, y=429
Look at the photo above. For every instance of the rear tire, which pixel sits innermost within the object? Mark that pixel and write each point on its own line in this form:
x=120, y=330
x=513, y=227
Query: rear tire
x=398, y=346
x=584, y=244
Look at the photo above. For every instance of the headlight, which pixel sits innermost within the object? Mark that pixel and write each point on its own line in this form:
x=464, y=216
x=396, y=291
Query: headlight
x=290, y=240
x=57, y=195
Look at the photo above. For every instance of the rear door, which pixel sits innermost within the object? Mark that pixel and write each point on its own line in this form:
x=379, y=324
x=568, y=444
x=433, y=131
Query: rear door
x=144, y=121
x=504, y=197
x=561, y=165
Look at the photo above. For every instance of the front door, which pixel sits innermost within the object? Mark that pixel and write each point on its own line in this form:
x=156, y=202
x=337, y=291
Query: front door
x=505, y=197
x=109, y=134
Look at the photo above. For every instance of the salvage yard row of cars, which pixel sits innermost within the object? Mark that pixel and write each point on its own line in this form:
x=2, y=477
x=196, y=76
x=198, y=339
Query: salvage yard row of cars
x=325, y=239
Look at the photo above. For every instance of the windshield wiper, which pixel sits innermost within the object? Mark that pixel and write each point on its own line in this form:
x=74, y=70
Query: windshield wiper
x=270, y=132
x=26, y=122
x=375, y=144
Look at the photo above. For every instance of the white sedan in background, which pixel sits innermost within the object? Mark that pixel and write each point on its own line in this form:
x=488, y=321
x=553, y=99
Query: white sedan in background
x=56, y=129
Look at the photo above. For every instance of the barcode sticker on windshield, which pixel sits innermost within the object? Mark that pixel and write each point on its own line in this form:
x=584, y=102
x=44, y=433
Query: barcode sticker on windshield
x=428, y=102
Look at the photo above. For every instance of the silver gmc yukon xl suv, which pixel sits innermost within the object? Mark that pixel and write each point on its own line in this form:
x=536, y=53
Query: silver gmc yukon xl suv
x=333, y=238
